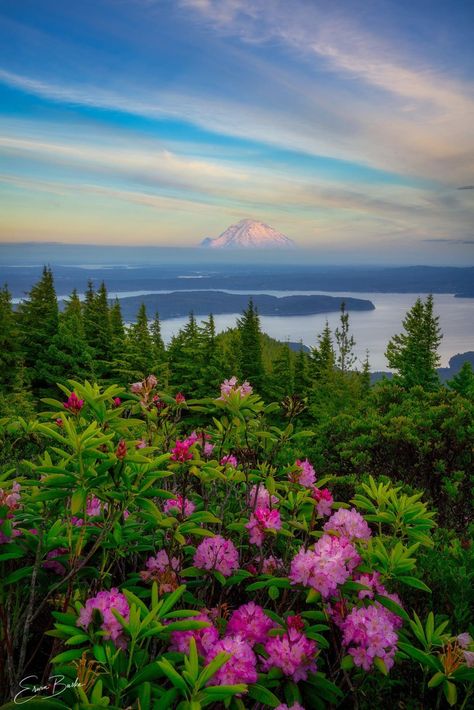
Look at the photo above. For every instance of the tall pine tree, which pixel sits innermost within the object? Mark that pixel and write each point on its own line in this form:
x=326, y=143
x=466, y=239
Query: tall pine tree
x=251, y=361
x=345, y=358
x=10, y=348
x=139, y=346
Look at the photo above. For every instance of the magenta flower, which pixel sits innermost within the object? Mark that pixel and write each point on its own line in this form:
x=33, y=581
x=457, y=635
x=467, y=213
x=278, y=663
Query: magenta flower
x=51, y=562
x=293, y=653
x=141, y=444
x=251, y=623
x=229, y=460
x=208, y=449
x=180, y=505
x=105, y=602
x=180, y=398
x=348, y=523
x=229, y=387
x=295, y=706
x=205, y=638
x=306, y=476
x=94, y=508
x=181, y=451
x=261, y=498
x=469, y=658
x=324, y=501
x=368, y=633
x=136, y=387
x=240, y=668
x=271, y=564
x=328, y=565
x=464, y=639
x=217, y=553
x=262, y=521
x=117, y=401
x=12, y=502
x=73, y=404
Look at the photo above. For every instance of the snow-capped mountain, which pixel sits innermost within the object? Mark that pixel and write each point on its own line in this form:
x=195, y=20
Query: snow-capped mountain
x=249, y=234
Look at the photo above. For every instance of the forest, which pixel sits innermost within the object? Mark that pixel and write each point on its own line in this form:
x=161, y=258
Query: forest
x=226, y=521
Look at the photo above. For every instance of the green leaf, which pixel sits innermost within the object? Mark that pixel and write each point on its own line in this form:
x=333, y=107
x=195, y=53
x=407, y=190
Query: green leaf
x=424, y=658
x=436, y=680
x=18, y=574
x=212, y=668
x=263, y=695
x=414, y=582
x=450, y=692
x=392, y=606
x=380, y=665
x=347, y=662
x=67, y=656
x=172, y=674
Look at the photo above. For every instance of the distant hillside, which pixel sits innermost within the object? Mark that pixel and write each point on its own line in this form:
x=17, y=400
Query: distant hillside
x=445, y=373
x=201, y=303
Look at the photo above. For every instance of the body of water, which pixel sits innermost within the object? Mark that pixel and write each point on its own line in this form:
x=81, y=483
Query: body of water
x=371, y=329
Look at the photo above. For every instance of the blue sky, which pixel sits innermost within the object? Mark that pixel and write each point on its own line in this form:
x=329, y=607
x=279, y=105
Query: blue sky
x=347, y=126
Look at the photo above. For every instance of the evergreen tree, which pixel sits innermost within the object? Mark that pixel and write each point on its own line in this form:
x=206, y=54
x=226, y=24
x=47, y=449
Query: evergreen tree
x=69, y=354
x=322, y=358
x=160, y=358
x=184, y=355
x=117, y=327
x=211, y=357
x=345, y=358
x=250, y=355
x=282, y=377
x=365, y=374
x=301, y=372
x=10, y=350
x=38, y=322
x=139, y=346
x=414, y=353
x=98, y=329
x=463, y=382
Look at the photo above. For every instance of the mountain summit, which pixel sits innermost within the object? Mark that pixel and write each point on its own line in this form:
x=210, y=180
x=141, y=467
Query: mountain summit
x=249, y=234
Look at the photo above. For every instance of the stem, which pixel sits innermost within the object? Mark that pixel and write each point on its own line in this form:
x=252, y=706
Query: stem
x=29, y=611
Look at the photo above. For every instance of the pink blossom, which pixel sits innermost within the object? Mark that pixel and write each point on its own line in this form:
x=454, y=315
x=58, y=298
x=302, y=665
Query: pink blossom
x=136, y=387
x=141, y=444
x=229, y=387
x=180, y=398
x=217, y=553
x=464, y=639
x=121, y=450
x=94, y=508
x=74, y=404
x=295, y=706
x=205, y=638
x=368, y=633
x=117, y=401
x=240, y=668
x=192, y=438
x=306, y=476
x=469, y=658
x=181, y=505
x=12, y=502
x=105, y=602
x=181, y=451
x=163, y=570
x=251, y=623
x=208, y=449
x=261, y=498
x=293, y=653
x=324, y=501
x=59, y=422
x=348, y=523
x=271, y=564
x=261, y=521
x=229, y=460
x=151, y=381
x=328, y=565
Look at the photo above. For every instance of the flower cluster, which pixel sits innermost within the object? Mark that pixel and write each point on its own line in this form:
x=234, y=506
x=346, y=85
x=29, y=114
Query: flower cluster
x=251, y=623
x=229, y=387
x=240, y=668
x=181, y=451
x=205, y=638
x=348, y=523
x=105, y=602
x=179, y=505
x=263, y=520
x=73, y=403
x=163, y=570
x=369, y=633
x=329, y=564
x=305, y=475
x=324, y=500
x=229, y=460
x=293, y=652
x=217, y=553
x=12, y=502
x=261, y=498
x=94, y=509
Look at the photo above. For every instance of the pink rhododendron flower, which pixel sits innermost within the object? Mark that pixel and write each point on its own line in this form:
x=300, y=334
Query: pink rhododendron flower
x=208, y=449
x=261, y=498
x=324, y=501
x=73, y=404
x=105, y=602
x=141, y=444
x=151, y=381
x=121, y=450
x=136, y=387
x=117, y=401
x=59, y=422
x=368, y=633
x=295, y=706
x=180, y=398
x=349, y=523
x=205, y=638
x=328, y=565
x=181, y=451
x=293, y=653
x=230, y=386
x=306, y=476
x=12, y=502
x=271, y=564
x=181, y=505
x=217, y=553
x=251, y=623
x=94, y=508
x=464, y=640
x=469, y=658
x=163, y=570
x=261, y=521
x=240, y=668
x=229, y=460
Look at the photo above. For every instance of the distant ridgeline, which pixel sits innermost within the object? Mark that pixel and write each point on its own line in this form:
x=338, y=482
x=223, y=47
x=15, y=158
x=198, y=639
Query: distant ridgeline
x=201, y=303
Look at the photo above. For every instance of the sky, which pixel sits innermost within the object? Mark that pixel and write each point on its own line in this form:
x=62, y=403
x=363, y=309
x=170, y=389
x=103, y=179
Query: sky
x=346, y=125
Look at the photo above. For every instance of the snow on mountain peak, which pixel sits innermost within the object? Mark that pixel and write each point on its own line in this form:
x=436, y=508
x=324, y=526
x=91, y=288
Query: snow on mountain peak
x=249, y=234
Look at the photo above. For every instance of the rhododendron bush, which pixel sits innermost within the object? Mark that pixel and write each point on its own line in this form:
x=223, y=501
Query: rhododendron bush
x=163, y=552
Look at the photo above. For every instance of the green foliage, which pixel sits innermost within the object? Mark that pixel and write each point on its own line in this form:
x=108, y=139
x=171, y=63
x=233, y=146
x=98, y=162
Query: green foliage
x=250, y=348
